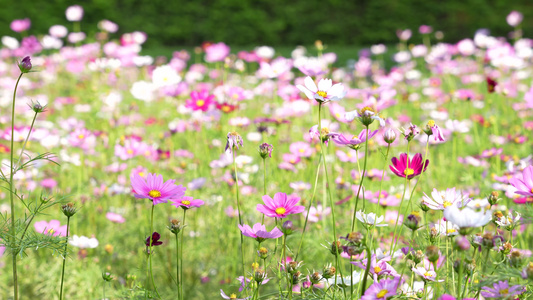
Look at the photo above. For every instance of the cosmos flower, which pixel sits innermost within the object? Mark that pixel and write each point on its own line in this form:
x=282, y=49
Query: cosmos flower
x=281, y=206
x=326, y=90
x=381, y=290
x=524, y=185
x=155, y=240
x=231, y=296
x=366, y=116
x=370, y=219
x=83, y=242
x=501, y=290
x=410, y=168
x=259, y=232
x=155, y=189
x=466, y=217
x=53, y=227
x=428, y=275
x=234, y=140
x=186, y=202
x=354, y=141
x=200, y=100
x=434, y=130
x=441, y=200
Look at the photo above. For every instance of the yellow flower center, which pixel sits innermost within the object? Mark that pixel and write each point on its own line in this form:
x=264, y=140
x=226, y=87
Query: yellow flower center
x=51, y=231
x=226, y=108
x=234, y=133
x=322, y=94
x=532, y=190
x=431, y=123
x=200, y=102
x=154, y=194
x=451, y=231
x=427, y=274
x=129, y=151
x=141, y=174
x=446, y=204
x=233, y=296
x=280, y=210
x=292, y=161
x=301, y=150
x=408, y=171
x=504, y=292
x=382, y=293
x=81, y=136
x=325, y=130
x=186, y=202
x=235, y=96
x=367, y=108
x=377, y=269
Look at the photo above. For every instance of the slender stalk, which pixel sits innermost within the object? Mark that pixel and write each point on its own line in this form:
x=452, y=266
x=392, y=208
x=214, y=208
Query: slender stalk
x=151, y=249
x=327, y=185
x=264, y=187
x=27, y=138
x=383, y=174
x=181, y=255
x=178, y=267
x=309, y=208
x=11, y=198
x=401, y=202
x=104, y=289
x=360, y=182
x=367, y=270
x=239, y=209
x=64, y=261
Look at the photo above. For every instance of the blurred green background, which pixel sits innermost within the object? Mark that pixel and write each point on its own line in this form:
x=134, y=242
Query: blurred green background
x=275, y=22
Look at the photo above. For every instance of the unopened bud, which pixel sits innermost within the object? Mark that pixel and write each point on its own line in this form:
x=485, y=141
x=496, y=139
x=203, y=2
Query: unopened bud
x=175, y=226
x=493, y=198
x=432, y=253
x=262, y=252
x=265, y=150
x=315, y=278
x=287, y=228
x=516, y=258
x=25, y=65
x=336, y=248
x=389, y=136
x=328, y=272
x=107, y=276
x=69, y=209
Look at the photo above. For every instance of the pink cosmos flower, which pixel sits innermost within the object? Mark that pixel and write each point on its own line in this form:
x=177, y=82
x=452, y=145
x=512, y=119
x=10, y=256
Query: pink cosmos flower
x=115, y=218
x=231, y=296
x=259, y=232
x=155, y=189
x=326, y=90
x=410, y=168
x=501, y=290
x=524, y=186
x=381, y=290
x=200, y=100
x=20, y=25
x=186, y=202
x=354, y=141
x=378, y=267
x=301, y=149
x=216, y=52
x=281, y=206
x=234, y=140
x=428, y=275
x=53, y=227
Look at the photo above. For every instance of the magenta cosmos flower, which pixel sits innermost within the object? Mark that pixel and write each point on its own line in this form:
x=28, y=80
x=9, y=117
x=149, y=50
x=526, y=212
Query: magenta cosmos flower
x=524, y=186
x=354, y=141
x=382, y=290
x=259, y=232
x=410, y=168
x=186, y=202
x=281, y=206
x=53, y=227
x=155, y=189
x=326, y=90
x=200, y=100
x=501, y=290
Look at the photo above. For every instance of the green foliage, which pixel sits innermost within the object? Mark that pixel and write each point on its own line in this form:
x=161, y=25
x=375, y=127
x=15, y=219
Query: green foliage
x=247, y=22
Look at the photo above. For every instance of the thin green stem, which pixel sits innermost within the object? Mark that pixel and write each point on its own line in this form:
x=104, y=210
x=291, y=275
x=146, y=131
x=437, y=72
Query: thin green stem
x=367, y=270
x=360, y=182
x=309, y=208
x=64, y=261
x=394, y=242
x=327, y=185
x=181, y=255
x=178, y=266
x=383, y=174
x=11, y=194
x=151, y=248
x=264, y=187
x=26, y=141
x=239, y=210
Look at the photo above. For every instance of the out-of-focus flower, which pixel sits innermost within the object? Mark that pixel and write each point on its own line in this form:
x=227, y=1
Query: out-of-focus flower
x=523, y=185
x=501, y=290
x=20, y=25
x=53, y=227
x=186, y=202
x=83, y=242
x=326, y=90
x=259, y=232
x=74, y=13
x=467, y=217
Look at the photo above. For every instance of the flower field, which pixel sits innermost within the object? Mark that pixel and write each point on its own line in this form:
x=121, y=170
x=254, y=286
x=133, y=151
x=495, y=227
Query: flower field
x=406, y=173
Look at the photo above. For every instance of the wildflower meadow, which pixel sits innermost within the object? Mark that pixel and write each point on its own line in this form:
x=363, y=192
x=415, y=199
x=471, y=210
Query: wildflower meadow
x=219, y=173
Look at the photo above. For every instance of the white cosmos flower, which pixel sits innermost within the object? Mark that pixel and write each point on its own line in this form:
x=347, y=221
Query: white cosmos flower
x=440, y=200
x=83, y=242
x=143, y=90
x=445, y=228
x=326, y=90
x=509, y=222
x=165, y=76
x=370, y=219
x=467, y=217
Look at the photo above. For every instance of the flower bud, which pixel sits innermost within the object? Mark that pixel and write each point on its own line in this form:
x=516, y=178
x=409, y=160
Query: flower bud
x=423, y=206
x=418, y=256
x=507, y=248
x=296, y=277
x=292, y=267
x=433, y=235
x=107, y=276
x=527, y=272
x=493, y=198
x=265, y=150
x=175, y=226
x=287, y=228
x=516, y=258
x=389, y=136
x=262, y=252
x=108, y=248
x=25, y=65
x=366, y=115
x=462, y=243
x=412, y=222
x=315, y=278
x=37, y=107
x=355, y=238
x=432, y=253
x=336, y=248
x=259, y=275
x=328, y=272
x=69, y=209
